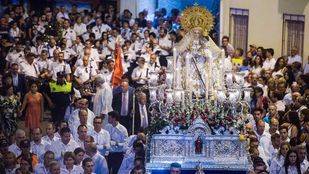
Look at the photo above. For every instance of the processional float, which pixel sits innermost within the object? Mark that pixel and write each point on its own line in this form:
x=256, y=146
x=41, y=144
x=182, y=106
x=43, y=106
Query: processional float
x=197, y=107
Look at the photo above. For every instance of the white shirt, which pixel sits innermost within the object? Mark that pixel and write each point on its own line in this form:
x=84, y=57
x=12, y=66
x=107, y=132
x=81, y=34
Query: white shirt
x=48, y=140
x=15, y=57
x=269, y=64
x=140, y=72
x=280, y=105
x=80, y=29
x=61, y=15
x=59, y=148
x=41, y=169
x=166, y=43
x=291, y=170
x=15, y=33
x=70, y=35
x=127, y=163
x=276, y=164
x=51, y=50
x=118, y=133
x=43, y=64
x=58, y=67
x=15, y=149
x=29, y=69
x=78, y=49
x=74, y=118
x=101, y=138
x=265, y=143
x=125, y=33
x=67, y=53
x=39, y=149
x=79, y=62
x=79, y=142
x=98, y=30
x=296, y=58
x=75, y=170
x=124, y=104
x=143, y=115
x=74, y=127
x=84, y=73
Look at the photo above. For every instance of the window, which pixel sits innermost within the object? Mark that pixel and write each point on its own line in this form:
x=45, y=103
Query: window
x=239, y=28
x=293, y=33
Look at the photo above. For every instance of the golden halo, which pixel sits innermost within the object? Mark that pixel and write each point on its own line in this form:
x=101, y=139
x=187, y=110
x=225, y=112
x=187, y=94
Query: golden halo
x=197, y=17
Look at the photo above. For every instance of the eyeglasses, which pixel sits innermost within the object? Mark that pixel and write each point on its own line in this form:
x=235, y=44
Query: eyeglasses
x=97, y=122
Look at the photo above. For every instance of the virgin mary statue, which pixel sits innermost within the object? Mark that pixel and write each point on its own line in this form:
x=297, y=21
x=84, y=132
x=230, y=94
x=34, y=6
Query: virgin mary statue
x=197, y=59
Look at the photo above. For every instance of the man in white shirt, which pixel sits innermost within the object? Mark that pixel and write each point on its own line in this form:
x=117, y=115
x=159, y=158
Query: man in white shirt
x=165, y=45
x=62, y=14
x=302, y=156
x=288, y=97
x=152, y=65
x=79, y=27
x=15, y=56
x=117, y=131
x=269, y=63
x=128, y=161
x=81, y=135
x=50, y=134
x=74, y=118
x=19, y=136
x=99, y=28
x=275, y=145
x=140, y=73
x=67, y=50
x=294, y=57
x=29, y=67
x=65, y=144
x=68, y=33
x=60, y=66
x=83, y=120
x=101, y=136
x=100, y=164
x=84, y=73
x=88, y=166
x=38, y=146
x=264, y=138
x=43, y=168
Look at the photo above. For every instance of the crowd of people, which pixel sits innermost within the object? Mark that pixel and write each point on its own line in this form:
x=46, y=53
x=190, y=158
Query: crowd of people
x=62, y=63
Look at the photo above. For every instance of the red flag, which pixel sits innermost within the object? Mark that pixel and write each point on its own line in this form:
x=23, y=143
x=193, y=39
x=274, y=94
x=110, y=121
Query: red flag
x=118, y=69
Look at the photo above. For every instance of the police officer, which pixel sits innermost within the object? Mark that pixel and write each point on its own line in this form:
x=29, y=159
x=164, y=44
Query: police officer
x=60, y=92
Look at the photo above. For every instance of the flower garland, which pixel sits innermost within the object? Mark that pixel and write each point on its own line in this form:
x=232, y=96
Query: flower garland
x=222, y=119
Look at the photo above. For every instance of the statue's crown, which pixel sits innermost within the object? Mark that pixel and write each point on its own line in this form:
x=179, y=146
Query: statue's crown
x=197, y=17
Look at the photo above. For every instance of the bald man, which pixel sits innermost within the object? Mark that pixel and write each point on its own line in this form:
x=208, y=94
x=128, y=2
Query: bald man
x=123, y=103
x=141, y=114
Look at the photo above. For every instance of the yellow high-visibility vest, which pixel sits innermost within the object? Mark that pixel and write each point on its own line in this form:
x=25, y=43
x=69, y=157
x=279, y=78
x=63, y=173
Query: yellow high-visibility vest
x=65, y=88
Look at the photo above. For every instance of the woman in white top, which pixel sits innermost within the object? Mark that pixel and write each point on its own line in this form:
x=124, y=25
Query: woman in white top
x=280, y=67
x=256, y=66
x=291, y=164
x=278, y=160
x=69, y=167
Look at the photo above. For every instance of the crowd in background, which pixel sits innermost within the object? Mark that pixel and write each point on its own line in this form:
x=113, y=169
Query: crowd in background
x=59, y=65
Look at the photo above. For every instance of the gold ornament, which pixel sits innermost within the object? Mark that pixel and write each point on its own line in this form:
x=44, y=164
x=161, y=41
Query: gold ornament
x=197, y=17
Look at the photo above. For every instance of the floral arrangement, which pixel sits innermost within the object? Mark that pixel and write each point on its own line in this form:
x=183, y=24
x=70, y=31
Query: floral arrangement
x=222, y=119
